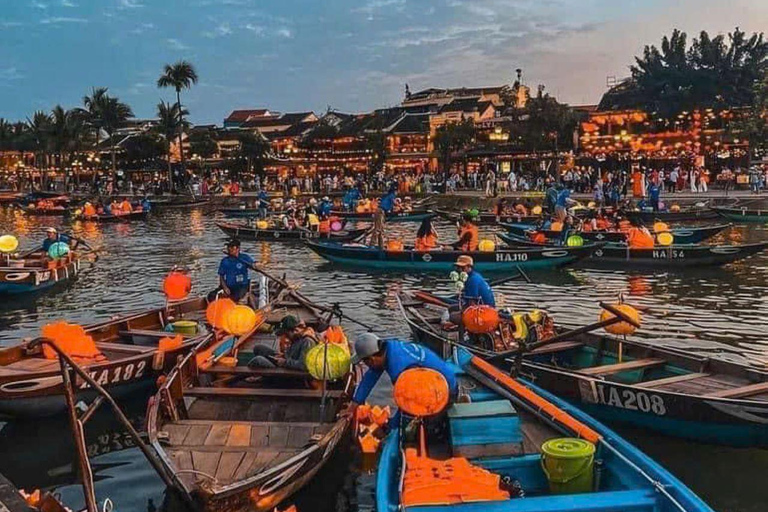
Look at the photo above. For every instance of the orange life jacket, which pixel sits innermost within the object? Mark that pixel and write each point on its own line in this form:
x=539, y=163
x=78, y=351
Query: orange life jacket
x=474, y=237
x=89, y=210
x=639, y=238
x=624, y=226
x=426, y=243
x=603, y=223
x=325, y=226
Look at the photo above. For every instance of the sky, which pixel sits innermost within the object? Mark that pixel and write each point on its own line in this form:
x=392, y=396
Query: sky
x=352, y=56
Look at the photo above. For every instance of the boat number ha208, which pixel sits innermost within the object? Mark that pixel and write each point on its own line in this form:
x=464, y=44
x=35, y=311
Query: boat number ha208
x=630, y=399
x=117, y=374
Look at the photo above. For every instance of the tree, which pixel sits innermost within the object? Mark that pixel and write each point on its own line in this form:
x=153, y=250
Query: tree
x=543, y=120
x=181, y=75
x=39, y=129
x=453, y=138
x=107, y=113
x=255, y=150
x=753, y=124
x=7, y=136
x=376, y=144
x=143, y=147
x=171, y=121
x=201, y=143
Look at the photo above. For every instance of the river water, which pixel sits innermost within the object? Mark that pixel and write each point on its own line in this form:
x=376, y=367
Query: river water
x=720, y=312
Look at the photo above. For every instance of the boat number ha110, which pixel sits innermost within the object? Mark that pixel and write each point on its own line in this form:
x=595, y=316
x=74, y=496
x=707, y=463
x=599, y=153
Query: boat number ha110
x=117, y=374
x=630, y=399
x=520, y=256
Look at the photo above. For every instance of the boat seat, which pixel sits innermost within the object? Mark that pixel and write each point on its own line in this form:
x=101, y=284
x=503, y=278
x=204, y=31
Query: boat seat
x=485, y=429
x=637, y=364
x=152, y=334
x=561, y=346
x=123, y=347
x=656, y=383
x=261, y=393
x=257, y=372
x=740, y=392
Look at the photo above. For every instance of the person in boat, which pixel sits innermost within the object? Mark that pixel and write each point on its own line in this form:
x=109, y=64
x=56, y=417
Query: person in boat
x=476, y=288
x=234, y=281
x=263, y=204
x=52, y=236
x=562, y=203
x=387, y=203
x=89, y=210
x=550, y=199
x=501, y=208
x=469, y=235
x=146, y=206
x=394, y=356
x=379, y=228
x=639, y=237
x=296, y=339
x=426, y=237
x=407, y=205
x=126, y=206
x=351, y=198
x=521, y=210
x=325, y=207
x=654, y=194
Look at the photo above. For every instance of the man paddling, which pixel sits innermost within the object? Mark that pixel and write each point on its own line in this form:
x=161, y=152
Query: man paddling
x=233, y=274
x=52, y=236
x=476, y=288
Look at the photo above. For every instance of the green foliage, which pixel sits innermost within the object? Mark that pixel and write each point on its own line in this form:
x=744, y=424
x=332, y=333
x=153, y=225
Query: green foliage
x=201, y=143
x=254, y=150
x=541, y=122
x=453, y=138
x=145, y=146
x=376, y=143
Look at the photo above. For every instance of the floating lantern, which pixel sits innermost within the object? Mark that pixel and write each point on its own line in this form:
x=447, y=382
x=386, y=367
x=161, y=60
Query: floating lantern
x=216, y=312
x=240, y=319
x=486, y=246
x=8, y=243
x=665, y=239
x=58, y=250
x=574, y=241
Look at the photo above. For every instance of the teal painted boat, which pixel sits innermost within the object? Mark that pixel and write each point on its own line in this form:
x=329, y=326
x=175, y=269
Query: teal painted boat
x=743, y=214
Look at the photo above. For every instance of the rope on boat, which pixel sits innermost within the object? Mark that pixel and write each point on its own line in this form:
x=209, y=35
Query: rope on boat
x=212, y=478
x=108, y=506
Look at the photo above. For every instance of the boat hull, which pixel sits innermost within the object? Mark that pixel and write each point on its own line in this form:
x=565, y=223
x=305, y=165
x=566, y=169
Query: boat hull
x=126, y=217
x=17, y=281
x=684, y=216
x=672, y=257
x=284, y=235
x=743, y=214
x=412, y=216
x=682, y=235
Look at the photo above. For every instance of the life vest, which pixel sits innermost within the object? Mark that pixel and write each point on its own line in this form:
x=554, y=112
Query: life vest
x=426, y=243
x=624, y=226
x=603, y=223
x=89, y=210
x=325, y=226
x=640, y=238
x=556, y=226
x=587, y=227
x=474, y=238
x=126, y=207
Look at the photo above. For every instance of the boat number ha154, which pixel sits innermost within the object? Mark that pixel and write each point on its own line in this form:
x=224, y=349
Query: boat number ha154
x=117, y=374
x=668, y=254
x=520, y=256
x=630, y=399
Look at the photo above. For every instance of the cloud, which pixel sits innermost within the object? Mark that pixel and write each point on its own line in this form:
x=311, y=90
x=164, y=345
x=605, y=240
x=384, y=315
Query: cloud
x=256, y=29
x=176, y=44
x=68, y=3
x=284, y=32
x=57, y=20
x=8, y=75
x=11, y=24
x=39, y=5
x=129, y=4
x=222, y=30
x=142, y=28
x=375, y=5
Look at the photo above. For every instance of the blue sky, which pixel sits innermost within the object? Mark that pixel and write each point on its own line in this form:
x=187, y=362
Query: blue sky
x=310, y=54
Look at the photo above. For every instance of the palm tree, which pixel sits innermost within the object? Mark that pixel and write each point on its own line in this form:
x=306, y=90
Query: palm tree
x=169, y=121
x=6, y=135
x=255, y=149
x=40, y=130
x=104, y=112
x=181, y=75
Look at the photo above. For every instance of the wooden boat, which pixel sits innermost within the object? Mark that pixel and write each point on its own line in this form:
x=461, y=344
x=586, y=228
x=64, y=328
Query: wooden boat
x=415, y=215
x=493, y=442
x=12, y=500
x=36, y=273
x=687, y=215
x=667, y=390
x=179, y=203
x=31, y=385
x=241, y=212
x=692, y=235
x=490, y=218
x=112, y=218
x=742, y=214
x=58, y=211
x=359, y=255
x=255, y=436
x=246, y=232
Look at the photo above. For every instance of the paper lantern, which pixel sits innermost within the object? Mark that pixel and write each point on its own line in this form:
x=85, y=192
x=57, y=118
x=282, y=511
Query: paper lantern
x=262, y=224
x=486, y=246
x=58, y=250
x=536, y=210
x=395, y=246
x=421, y=392
x=674, y=208
x=665, y=239
x=574, y=241
x=622, y=328
x=330, y=361
x=8, y=243
x=660, y=227
x=336, y=226
x=480, y=319
x=177, y=285
x=170, y=343
x=216, y=312
x=591, y=204
x=240, y=320
x=556, y=226
x=539, y=237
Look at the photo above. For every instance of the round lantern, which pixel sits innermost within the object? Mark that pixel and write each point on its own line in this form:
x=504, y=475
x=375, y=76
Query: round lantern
x=539, y=237
x=58, y=250
x=480, y=319
x=330, y=361
x=8, y=243
x=216, y=312
x=336, y=226
x=665, y=239
x=486, y=246
x=621, y=327
x=395, y=246
x=536, y=210
x=262, y=224
x=177, y=285
x=591, y=204
x=660, y=227
x=240, y=320
x=574, y=241
x=421, y=392
x=674, y=208
x=556, y=226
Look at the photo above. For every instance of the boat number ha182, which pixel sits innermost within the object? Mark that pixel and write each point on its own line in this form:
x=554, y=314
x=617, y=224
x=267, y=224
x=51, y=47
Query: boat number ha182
x=520, y=256
x=630, y=399
x=117, y=374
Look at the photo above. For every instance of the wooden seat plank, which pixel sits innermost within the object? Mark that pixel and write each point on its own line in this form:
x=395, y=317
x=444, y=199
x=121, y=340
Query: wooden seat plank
x=257, y=372
x=242, y=469
x=249, y=423
x=637, y=364
x=259, y=435
x=298, y=437
x=218, y=435
x=196, y=435
x=176, y=433
x=228, y=464
x=205, y=462
x=278, y=437
x=261, y=393
x=124, y=347
x=655, y=383
x=556, y=347
x=145, y=332
x=239, y=435
x=740, y=392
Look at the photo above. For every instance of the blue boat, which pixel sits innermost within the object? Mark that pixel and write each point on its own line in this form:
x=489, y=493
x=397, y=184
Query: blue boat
x=34, y=275
x=365, y=256
x=691, y=235
x=498, y=429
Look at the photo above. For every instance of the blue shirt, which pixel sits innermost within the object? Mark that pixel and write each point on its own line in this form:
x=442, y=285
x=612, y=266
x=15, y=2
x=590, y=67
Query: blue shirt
x=47, y=243
x=146, y=205
x=400, y=356
x=562, y=197
x=235, y=271
x=325, y=208
x=654, y=191
x=263, y=200
x=388, y=202
x=477, y=289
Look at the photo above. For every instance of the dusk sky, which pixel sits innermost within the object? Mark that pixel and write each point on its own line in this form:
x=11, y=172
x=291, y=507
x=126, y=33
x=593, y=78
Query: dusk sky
x=351, y=55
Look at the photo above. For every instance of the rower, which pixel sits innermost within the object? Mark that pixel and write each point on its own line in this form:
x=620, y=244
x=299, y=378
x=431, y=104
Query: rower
x=296, y=340
x=387, y=202
x=394, y=357
x=233, y=274
x=469, y=235
x=52, y=236
x=263, y=204
x=638, y=236
x=379, y=223
x=146, y=206
x=476, y=288
x=325, y=207
x=426, y=237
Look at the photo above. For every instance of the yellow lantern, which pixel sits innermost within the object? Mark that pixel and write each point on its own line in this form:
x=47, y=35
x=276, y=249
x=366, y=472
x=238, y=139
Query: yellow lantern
x=665, y=239
x=486, y=246
x=8, y=243
x=660, y=227
x=240, y=320
x=621, y=327
x=262, y=224
x=536, y=210
x=674, y=208
x=591, y=204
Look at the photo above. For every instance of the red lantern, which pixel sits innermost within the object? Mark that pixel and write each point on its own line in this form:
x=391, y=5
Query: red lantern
x=177, y=285
x=480, y=319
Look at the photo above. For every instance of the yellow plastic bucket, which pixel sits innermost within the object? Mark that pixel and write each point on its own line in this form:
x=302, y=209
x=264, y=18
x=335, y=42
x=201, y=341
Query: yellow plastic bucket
x=187, y=327
x=568, y=464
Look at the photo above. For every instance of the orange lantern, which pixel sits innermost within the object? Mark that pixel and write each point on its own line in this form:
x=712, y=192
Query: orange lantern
x=480, y=319
x=72, y=340
x=217, y=311
x=421, y=392
x=539, y=237
x=556, y=226
x=170, y=343
x=395, y=246
x=240, y=319
x=621, y=328
x=177, y=285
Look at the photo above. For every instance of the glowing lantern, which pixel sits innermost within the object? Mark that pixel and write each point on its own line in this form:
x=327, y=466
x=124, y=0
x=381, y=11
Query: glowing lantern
x=660, y=227
x=177, y=285
x=216, y=312
x=170, y=343
x=486, y=246
x=674, y=208
x=421, y=392
x=539, y=238
x=327, y=360
x=621, y=327
x=480, y=319
x=395, y=246
x=665, y=239
x=556, y=226
x=8, y=243
x=58, y=250
x=240, y=320
x=574, y=241
x=262, y=224
x=336, y=226
x=591, y=204
x=536, y=210
x=72, y=340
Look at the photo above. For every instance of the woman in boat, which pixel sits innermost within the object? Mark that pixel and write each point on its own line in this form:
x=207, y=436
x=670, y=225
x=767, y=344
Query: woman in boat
x=426, y=237
x=590, y=224
x=469, y=235
x=638, y=236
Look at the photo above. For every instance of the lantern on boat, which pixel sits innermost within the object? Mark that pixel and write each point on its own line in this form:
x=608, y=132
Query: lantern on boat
x=176, y=285
x=480, y=319
x=591, y=204
x=336, y=225
x=8, y=243
x=486, y=246
x=621, y=328
x=421, y=392
x=395, y=246
x=240, y=320
x=328, y=361
x=574, y=241
x=169, y=343
x=660, y=227
x=556, y=226
x=262, y=224
x=674, y=208
x=536, y=210
x=539, y=237
x=216, y=312
x=665, y=239
x=58, y=250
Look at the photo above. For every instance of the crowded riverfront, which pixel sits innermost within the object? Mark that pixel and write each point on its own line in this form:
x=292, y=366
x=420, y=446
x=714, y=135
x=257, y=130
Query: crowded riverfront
x=478, y=299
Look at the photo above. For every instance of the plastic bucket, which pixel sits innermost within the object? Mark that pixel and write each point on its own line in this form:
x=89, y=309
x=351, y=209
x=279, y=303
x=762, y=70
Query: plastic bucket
x=568, y=463
x=187, y=327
